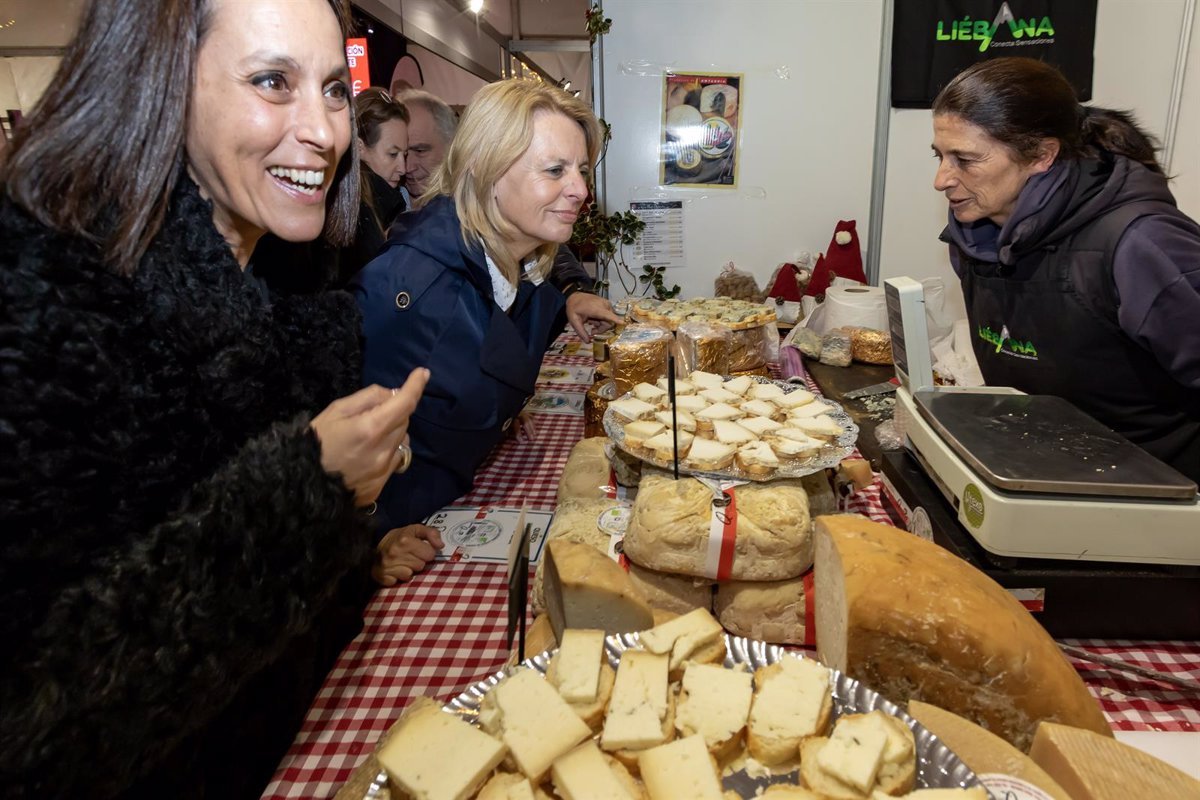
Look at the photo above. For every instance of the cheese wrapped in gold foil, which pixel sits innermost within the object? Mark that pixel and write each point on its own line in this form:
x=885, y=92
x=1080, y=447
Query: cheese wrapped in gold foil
x=639, y=355
x=702, y=346
x=595, y=403
x=871, y=346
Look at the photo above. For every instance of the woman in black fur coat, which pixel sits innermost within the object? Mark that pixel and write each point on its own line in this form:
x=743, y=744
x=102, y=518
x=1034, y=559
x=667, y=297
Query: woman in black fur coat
x=178, y=512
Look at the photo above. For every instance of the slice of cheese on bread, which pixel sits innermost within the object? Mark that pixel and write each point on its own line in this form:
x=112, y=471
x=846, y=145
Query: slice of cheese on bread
x=579, y=657
x=585, y=774
x=686, y=637
x=714, y=702
x=681, y=769
x=638, y=706
x=416, y=748
x=533, y=721
x=707, y=454
x=792, y=702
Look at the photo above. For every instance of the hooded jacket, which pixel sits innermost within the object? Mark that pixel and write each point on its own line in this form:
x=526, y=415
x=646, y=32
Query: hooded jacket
x=427, y=302
x=1091, y=291
x=168, y=530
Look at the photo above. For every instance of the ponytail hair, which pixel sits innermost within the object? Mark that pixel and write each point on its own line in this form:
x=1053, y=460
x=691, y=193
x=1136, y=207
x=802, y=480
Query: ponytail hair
x=1019, y=102
x=1111, y=131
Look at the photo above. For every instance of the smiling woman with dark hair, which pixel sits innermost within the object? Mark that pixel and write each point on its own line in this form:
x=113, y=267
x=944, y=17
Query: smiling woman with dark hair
x=185, y=460
x=1064, y=233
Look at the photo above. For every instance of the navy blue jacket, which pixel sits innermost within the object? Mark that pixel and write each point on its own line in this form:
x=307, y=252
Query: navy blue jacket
x=427, y=302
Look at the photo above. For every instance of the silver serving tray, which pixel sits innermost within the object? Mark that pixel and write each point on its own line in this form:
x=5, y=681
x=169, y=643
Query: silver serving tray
x=937, y=766
x=828, y=457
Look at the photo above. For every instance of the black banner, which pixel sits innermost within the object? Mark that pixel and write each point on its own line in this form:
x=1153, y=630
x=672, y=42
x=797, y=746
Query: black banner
x=934, y=40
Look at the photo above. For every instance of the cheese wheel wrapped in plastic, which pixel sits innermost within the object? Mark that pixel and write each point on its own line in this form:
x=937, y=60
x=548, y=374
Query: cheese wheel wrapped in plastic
x=768, y=535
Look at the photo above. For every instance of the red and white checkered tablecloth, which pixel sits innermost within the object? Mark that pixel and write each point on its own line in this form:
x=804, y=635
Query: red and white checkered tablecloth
x=444, y=630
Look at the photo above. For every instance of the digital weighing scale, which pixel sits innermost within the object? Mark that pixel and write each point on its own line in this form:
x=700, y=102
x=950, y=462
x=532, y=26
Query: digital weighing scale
x=1097, y=536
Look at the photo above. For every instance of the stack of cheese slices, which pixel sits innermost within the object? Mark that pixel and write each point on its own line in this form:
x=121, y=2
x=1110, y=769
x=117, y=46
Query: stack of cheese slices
x=735, y=425
x=662, y=726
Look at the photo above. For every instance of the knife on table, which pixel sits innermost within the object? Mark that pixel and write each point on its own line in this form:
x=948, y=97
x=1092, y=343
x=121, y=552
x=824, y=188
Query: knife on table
x=875, y=388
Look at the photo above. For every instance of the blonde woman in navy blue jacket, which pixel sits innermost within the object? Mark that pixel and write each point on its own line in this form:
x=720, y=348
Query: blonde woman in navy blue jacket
x=460, y=286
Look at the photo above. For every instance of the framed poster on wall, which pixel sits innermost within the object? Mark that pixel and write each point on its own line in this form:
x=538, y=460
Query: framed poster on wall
x=934, y=41
x=699, y=141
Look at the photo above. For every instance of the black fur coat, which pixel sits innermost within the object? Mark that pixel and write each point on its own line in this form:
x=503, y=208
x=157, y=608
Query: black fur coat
x=167, y=527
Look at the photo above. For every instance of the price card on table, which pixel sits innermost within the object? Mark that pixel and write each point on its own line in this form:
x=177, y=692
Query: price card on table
x=484, y=534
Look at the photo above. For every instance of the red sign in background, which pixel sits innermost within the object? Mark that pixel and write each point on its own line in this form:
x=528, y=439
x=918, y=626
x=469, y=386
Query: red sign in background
x=356, y=57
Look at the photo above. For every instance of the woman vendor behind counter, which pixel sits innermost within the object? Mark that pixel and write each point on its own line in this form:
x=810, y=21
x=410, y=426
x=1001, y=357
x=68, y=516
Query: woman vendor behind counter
x=1080, y=275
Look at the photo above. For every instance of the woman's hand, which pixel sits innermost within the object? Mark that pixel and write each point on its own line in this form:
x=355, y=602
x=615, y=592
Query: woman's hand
x=526, y=430
x=404, y=552
x=361, y=434
x=583, y=308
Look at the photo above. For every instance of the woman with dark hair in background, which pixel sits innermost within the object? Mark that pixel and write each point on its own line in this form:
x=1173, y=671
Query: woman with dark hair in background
x=185, y=541
x=1081, y=277
x=383, y=147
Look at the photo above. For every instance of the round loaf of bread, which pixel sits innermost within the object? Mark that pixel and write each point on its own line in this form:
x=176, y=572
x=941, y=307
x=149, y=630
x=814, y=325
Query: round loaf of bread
x=911, y=620
x=671, y=521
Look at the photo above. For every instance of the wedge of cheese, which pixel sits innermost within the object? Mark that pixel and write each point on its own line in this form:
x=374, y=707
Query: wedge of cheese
x=683, y=637
x=639, y=703
x=631, y=408
x=705, y=380
x=732, y=433
x=854, y=757
x=578, y=666
x=416, y=748
x=662, y=445
x=535, y=722
x=759, y=408
x=681, y=419
x=719, y=395
x=794, y=399
x=759, y=425
x=690, y=403
x=981, y=750
x=720, y=411
x=714, y=702
x=584, y=588
x=584, y=774
x=1090, y=766
x=764, y=391
x=636, y=433
x=821, y=426
x=739, y=385
x=808, y=411
x=680, y=769
x=681, y=386
x=649, y=393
